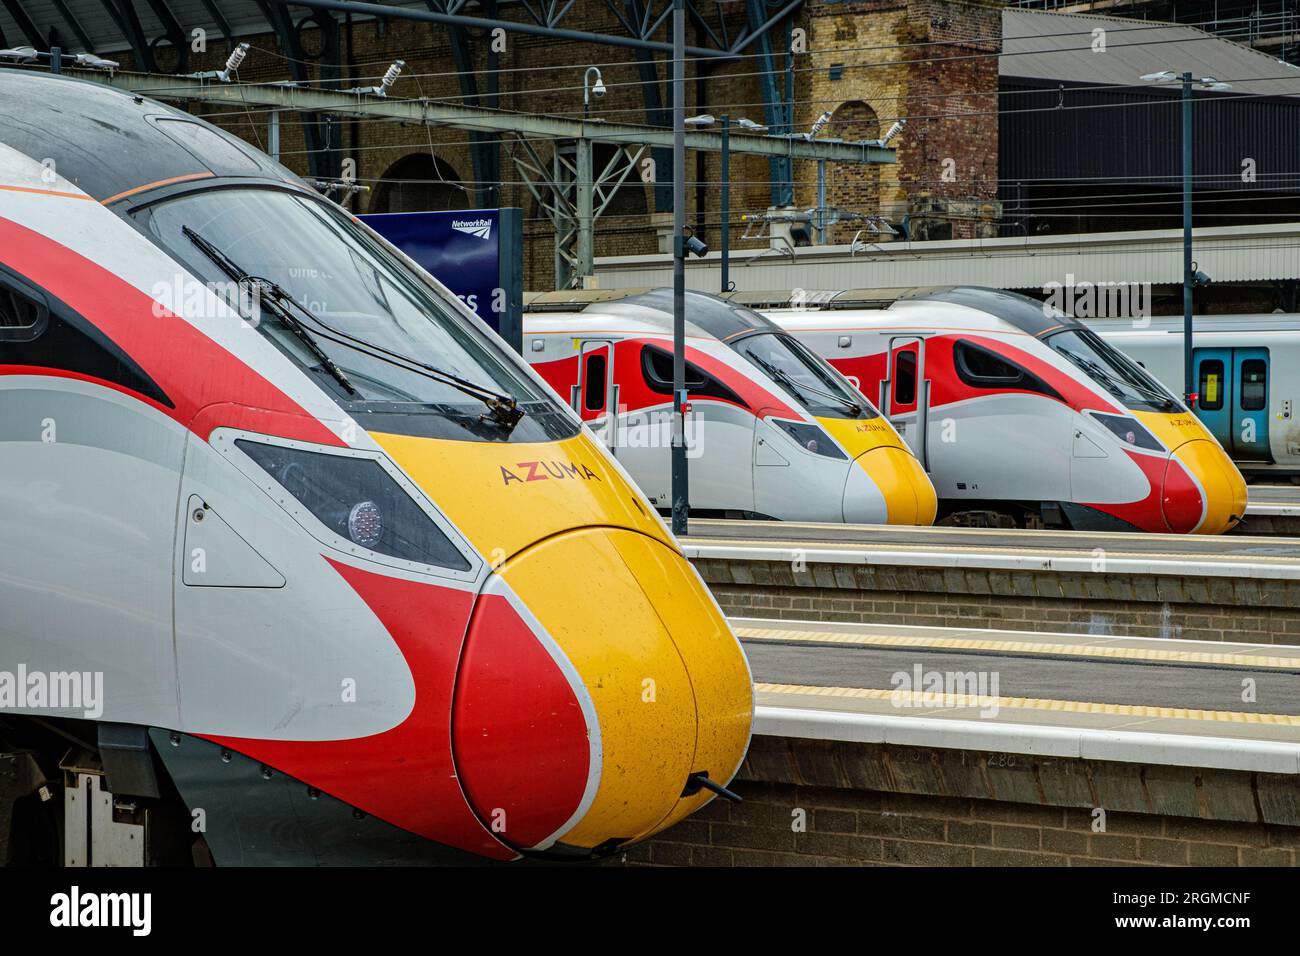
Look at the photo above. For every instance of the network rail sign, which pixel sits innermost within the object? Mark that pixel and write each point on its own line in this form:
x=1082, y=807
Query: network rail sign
x=477, y=253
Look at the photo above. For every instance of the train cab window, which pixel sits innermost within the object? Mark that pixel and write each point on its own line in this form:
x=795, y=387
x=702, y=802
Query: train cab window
x=905, y=378
x=23, y=312
x=1254, y=385
x=1111, y=370
x=1211, y=385
x=593, y=382
x=805, y=377
x=657, y=371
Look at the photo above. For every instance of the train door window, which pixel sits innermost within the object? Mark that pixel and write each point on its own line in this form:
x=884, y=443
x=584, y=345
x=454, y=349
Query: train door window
x=1254, y=385
x=1211, y=385
x=905, y=378
x=593, y=381
x=23, y=312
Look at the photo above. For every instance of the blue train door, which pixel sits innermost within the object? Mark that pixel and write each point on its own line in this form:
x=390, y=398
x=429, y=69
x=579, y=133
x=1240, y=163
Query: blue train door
x=1250, y=405
x=1232, y=389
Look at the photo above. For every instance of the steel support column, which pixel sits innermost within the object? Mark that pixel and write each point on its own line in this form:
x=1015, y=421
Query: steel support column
x=777, y=84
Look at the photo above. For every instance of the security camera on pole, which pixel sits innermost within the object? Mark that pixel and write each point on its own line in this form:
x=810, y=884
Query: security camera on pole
x=1191, y=276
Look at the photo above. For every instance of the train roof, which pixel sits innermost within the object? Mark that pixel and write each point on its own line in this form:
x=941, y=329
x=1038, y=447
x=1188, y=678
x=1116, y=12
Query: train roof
x=733, y=314
x=110, y=143
x=1028, y=315
x=706, y=314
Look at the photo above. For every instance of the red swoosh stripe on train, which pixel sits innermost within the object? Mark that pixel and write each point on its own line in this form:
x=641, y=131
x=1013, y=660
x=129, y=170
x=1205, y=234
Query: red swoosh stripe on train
x=520, y=747
x=635, y=395
x=1173, y=500
x=947, y=388
x=194, y=372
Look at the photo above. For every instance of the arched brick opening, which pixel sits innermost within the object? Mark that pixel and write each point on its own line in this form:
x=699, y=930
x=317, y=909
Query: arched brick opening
x=852, y=187
x=420, y=183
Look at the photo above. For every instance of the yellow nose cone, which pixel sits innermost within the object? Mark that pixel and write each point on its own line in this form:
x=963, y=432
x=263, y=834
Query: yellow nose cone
x=668, y=681
x=1222, y=485
x=909, y=494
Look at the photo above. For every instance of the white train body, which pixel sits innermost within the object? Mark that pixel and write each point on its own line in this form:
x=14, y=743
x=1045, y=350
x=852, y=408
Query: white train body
x=1018, y=409
x=773, y=430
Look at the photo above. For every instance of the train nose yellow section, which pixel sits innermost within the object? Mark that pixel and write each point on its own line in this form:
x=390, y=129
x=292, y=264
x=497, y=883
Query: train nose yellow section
x=909, y=495
x=668, y=681
x=1222, y=485
x=582, y=550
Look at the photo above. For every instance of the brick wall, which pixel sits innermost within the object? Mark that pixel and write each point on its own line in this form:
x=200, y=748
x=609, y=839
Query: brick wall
x=1187, y=608
x=819, y=803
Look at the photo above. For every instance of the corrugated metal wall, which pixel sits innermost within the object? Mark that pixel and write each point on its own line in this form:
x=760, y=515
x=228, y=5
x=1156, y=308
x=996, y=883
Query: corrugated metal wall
x=1229, y=254
x=1135, y=136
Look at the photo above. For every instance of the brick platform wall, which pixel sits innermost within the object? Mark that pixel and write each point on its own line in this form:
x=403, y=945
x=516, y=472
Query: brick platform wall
x=865, y=828
x=818, y=803
x=1188, y=608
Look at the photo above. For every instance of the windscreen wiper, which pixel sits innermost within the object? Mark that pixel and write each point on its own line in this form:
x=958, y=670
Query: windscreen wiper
x=1115, y=386
x=503, y=408
x=1095, y=372
x=285, y=318
x=781, y=376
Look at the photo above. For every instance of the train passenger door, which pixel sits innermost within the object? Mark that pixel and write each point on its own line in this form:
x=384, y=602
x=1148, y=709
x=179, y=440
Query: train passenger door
x=595, y=396
x=1232, y=399
x=905, y=393
x=1250, y=405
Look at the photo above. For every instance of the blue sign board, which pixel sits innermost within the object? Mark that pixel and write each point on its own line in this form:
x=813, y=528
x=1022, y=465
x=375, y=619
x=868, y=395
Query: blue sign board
x=476, y=253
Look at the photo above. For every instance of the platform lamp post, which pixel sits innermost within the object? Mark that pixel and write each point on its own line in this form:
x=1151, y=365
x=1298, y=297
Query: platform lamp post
x=725, y=230
x=680, y=490
x=1191, y=277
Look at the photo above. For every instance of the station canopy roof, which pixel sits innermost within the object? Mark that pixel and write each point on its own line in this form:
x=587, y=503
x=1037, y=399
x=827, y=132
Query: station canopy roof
x=1058, y=47
x=93, y=20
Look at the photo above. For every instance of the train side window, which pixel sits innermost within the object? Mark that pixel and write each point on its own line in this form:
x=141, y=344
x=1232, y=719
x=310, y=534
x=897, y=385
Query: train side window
x=593, y=382
x=979, y=367
x=1254, y=385
x=657, y=371
x=1211, y=385
x=24, y=314
x=982, y=367
x=904, y=378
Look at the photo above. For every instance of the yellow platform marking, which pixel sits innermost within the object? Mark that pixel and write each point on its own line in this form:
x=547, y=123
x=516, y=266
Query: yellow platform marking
x=925, y=699
x=1019, y=647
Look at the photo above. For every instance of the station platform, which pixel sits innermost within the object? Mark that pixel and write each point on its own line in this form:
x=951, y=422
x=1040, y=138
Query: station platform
x=1010, y=549
x=1272, y=509
x=1061, y=694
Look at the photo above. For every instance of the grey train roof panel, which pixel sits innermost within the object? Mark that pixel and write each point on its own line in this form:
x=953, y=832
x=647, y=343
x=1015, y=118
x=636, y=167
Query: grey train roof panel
x=1028, y=315
x=108, y=142
x=719, y=318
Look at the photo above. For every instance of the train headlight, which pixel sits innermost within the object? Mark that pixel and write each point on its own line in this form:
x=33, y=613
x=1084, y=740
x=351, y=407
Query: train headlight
x=366, y=524
x=1129, y=431
x=810, y=438
x=357, y=501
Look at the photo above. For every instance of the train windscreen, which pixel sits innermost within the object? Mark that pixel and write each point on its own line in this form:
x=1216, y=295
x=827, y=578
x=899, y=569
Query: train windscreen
x=335, y=299
x=1113, y=371
x=804, y=376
